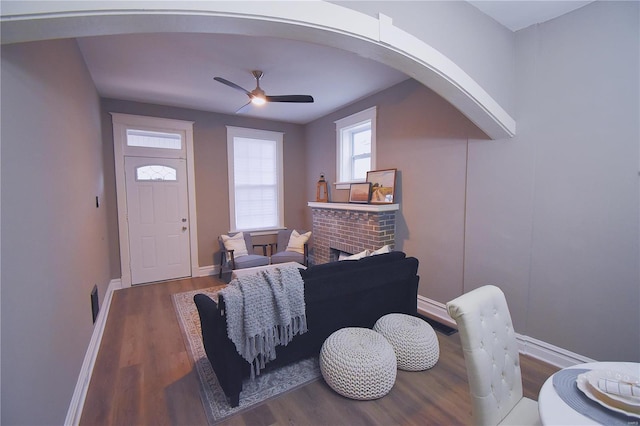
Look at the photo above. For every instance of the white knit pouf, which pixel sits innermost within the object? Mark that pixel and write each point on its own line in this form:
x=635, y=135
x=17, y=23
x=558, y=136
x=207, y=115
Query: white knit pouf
x=358, y=363
x=413, y=340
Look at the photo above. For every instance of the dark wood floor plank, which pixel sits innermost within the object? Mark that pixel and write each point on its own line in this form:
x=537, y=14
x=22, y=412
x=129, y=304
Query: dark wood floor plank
x=101, y=398
x=143, y=376
x=127, y=403
x=142, y=335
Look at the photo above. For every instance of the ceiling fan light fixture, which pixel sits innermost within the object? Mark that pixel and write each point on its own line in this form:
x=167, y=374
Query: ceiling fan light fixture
x=258, y=100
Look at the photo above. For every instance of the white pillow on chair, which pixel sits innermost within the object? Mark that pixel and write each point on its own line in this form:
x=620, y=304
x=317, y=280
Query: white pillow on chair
x=297, y=241
x=235, y=243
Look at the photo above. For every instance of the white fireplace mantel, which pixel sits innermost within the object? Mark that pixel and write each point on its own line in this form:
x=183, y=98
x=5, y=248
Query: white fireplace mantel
x=375, y=208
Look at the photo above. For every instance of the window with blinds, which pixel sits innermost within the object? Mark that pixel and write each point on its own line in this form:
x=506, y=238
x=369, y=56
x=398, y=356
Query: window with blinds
x=255, y=179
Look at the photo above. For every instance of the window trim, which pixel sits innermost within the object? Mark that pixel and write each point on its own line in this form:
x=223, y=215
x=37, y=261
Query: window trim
x=243, y=132
x=345, y=123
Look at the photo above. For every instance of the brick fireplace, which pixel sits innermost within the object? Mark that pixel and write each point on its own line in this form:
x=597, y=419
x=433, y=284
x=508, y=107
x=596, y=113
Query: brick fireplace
x=351, y=228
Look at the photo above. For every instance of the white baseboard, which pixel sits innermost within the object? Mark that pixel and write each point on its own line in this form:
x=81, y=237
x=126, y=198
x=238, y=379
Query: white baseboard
x=543, y=351
x=435, y=310
x=549, y=353
x=205, y=271
x=82, y=386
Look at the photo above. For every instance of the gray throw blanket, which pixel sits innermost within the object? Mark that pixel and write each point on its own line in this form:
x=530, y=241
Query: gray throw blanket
x=264, y=310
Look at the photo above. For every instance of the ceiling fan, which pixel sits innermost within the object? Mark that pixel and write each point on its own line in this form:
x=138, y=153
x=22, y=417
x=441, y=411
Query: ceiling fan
x=257, y=95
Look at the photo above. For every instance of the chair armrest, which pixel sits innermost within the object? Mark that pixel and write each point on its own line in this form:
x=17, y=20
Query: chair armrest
x=231, y=256
x=223, y=255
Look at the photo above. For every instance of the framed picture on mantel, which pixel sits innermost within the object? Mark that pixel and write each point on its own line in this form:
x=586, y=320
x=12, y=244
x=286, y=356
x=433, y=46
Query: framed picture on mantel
x=383, y=186
x=359, y=192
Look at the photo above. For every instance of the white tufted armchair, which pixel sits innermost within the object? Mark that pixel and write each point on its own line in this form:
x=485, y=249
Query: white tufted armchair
x=492, y=359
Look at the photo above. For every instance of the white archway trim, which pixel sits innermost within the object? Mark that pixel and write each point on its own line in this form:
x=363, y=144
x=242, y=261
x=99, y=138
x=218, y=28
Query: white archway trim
x=313, y=21
x=447, y=79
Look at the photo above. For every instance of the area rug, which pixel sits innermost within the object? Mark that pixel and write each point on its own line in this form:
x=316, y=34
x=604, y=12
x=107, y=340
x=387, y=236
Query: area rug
x=267, y=385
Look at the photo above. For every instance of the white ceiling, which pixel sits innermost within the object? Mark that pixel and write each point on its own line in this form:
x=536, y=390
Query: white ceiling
x=177, y=69
x=520, y=14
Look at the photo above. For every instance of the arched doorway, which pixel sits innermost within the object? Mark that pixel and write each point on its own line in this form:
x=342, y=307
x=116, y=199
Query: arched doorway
x=319, y=22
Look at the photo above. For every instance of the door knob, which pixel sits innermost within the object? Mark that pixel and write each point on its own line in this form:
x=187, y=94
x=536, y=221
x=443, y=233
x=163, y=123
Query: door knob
x=184, y=219
x=184, y=228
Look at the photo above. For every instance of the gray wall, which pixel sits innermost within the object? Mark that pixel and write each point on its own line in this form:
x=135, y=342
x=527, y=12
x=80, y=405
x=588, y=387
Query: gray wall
x=212, y=183
x=552, y=215
x=586, y=179
x=54, y=239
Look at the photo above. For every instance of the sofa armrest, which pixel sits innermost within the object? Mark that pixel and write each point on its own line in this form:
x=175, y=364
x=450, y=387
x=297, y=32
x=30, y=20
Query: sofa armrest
x=221, y=352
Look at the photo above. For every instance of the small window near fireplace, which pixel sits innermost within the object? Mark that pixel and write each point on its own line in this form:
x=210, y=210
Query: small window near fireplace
x=356, y=147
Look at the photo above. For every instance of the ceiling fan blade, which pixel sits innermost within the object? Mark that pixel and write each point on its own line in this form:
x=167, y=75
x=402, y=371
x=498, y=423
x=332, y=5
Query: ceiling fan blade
x=290, y=98
x=244, y=108
x=233, y=85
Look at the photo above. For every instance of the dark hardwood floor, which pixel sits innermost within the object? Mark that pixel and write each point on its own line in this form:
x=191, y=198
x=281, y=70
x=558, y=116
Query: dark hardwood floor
x=143, y=376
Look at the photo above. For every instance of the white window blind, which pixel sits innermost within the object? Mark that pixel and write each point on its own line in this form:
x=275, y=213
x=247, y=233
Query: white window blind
x=255, y=179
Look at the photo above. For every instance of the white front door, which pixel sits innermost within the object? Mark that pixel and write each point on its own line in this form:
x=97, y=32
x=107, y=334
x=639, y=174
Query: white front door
x=158, y=218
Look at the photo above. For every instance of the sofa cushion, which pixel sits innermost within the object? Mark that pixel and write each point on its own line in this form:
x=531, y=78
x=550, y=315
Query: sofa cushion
x=287, y=256
x=359, y=297
x=251, y=261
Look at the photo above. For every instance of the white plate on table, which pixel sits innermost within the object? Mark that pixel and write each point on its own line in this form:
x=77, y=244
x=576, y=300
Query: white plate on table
x=588, y=384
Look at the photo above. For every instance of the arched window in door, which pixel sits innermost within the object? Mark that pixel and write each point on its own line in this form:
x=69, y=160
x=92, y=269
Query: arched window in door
x=156, y=173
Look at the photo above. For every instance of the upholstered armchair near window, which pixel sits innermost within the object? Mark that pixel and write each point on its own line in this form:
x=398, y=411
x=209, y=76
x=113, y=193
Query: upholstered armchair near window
x=237, y=252
x=291, y=247
x=492, y=359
